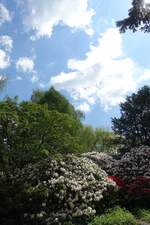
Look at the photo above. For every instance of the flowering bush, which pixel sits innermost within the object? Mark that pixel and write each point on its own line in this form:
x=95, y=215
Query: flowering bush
x=133, y=164
x=58, y=190
x=139, y=191
x=119, y=182
x=133, y=174
x=103, y=160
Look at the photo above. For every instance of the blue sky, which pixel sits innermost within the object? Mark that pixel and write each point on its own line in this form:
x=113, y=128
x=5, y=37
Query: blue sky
x=75, y=46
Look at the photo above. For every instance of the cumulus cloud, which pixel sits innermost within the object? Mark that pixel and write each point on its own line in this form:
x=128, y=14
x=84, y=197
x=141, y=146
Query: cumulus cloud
x=106, y=75
x=84, y=107
x=4, y=14
x=145, y=76
x=43, y=16
x=26, y=65
x=4, y=60
x=6, y=45
x=6, y=42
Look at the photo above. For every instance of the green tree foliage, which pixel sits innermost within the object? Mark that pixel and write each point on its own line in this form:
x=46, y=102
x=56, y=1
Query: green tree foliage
x=105, y=141
x=134, y=123
x=138, y=17
x=98, y=139
x=87, y=135
x=55, y=101
x=29, y=131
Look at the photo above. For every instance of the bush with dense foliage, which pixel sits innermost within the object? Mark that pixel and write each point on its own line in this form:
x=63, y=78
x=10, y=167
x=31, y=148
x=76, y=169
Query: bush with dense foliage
x=133, y=164
x=116, y=216
x=103, y=160
x=133, y=173
x=143, y=215
x=52, y=191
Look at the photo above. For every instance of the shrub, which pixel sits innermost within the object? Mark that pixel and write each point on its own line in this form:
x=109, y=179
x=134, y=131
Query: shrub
x=117, y=216
x=134, y=171
x=140, y=186
x=103, y=160
x=133, y=164
x=68, y=223
x=143, y=214
x=54, y=190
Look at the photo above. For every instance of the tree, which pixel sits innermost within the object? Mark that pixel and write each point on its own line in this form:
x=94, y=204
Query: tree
x=99, y=140
x=29, y=131
x=134, y=123
x=138, y=17
x=87, y=136
x=55, y=101
x=105, y=141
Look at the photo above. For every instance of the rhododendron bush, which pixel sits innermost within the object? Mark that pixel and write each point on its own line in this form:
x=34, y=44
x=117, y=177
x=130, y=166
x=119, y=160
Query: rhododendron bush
x=57, y=190
x=134, y=170
x=131, y=173
x=103, y=160
x=133, y=164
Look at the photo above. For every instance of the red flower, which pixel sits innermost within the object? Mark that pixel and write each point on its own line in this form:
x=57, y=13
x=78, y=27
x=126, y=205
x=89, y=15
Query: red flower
x=120, y=183
x=146, y=190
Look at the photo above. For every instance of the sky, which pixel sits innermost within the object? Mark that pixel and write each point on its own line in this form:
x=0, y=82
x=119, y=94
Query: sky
x=74, y=46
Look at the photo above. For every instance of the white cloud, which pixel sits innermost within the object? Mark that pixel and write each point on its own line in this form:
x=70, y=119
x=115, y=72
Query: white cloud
x=105, y=75
x=6, y=45
x=4, y=14
x=43, y=16
x=4, y=60
x=145, y=76
x=34, y=77
x=18, y=78
x=6, y=42
x=25, y=64
x=84, y=107
x=42, y=85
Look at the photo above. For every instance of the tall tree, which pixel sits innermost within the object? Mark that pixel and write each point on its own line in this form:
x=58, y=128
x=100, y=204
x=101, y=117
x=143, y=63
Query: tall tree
x=138, y=17
x=55, y=101
x=29, y=131
x=105, y=141
x=99, y=139
x=134, y=123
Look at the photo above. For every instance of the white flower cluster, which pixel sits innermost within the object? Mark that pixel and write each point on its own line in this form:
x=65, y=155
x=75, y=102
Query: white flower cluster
x=133, y=164
x=103, y=160
x=65, y=189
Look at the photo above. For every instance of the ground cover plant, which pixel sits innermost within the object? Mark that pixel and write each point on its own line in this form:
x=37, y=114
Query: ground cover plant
x=117, y=216
x=143, y=214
